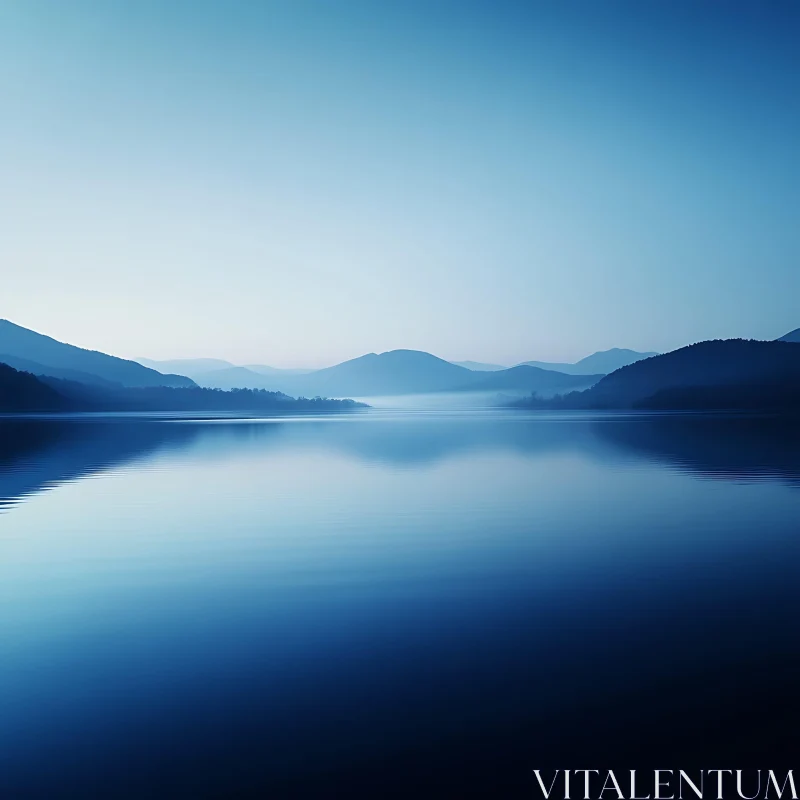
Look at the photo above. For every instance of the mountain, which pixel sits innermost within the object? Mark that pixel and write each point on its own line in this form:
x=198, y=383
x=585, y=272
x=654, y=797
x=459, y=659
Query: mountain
x=478, y=366
x=235, y=378
x=724, y=373
x=185, y=366
x=21, y=392
x=392, y=373
x=24, y=365
x=767, y=393
x=82, y=397
x=525, y=378
x=720, y=361
x=602, y=362
x=52, y=358
x=397, y=372
x=404, y=372
x=607, y=361
x=792, y=336
x=214, y=373
x=553, y=366
x=263, y=369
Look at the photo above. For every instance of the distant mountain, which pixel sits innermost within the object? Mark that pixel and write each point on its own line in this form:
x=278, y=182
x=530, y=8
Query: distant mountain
x=792, y=336
x=53, y=358
x=478, y=366
x=263, y=369
x=554, y=366
x=185, y=366
x=728, y=373
x=403, y=372
x=607, y=361
x=235, y=378
x=397, y=372
x=525, y=378
x=602, y=362
x=215, y=373
x=392, y=373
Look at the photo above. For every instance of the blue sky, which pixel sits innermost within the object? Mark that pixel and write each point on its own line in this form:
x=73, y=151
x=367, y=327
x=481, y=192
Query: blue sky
x=297, y=183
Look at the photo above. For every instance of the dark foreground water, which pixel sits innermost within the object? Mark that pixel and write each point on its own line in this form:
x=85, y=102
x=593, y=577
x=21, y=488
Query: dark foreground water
x=379, y=605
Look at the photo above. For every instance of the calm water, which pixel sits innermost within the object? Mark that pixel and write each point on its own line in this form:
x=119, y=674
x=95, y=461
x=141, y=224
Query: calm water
x=403, y=604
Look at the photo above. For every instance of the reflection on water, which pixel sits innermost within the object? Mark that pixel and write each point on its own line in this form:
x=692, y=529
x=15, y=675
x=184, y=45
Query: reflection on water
x=36, y=454
x=394, y=604
x=730, y=447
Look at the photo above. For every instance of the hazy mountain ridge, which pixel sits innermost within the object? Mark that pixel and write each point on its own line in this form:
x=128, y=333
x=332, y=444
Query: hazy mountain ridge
x=479, y=366
x=659, y=380
x=235, y=378
x=185, y=366
x=400, y=372
x=392, y=373
x=601, y=362
x=403, y=372
x=216, y=373
x=396, y=372
x=528, y=378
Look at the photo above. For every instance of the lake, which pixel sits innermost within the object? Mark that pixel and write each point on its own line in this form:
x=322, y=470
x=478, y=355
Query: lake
x=404, y=603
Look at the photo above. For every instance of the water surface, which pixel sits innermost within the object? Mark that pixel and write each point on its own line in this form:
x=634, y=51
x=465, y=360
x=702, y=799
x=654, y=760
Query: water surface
x=411, y=604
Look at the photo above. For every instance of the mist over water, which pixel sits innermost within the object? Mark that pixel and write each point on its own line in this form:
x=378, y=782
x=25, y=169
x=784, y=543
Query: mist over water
x=398, y=602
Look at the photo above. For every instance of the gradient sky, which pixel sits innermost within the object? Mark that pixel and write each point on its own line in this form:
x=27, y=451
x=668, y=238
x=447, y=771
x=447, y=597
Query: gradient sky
x=296, y=183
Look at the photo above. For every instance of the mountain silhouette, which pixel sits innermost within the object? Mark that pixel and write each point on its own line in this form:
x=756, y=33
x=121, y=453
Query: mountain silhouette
x=263, y=369
x=52, y=358
x=792, y=336
x=603, y=362
x=404, y=372
x=607, y=361
x=721, y=361
x=215, y=373
x=235, y=378
x=718, y=374
x=392, y=373
x=24, y=365
x=396, y=372
x=21, y=391
x=532, y=379
x=478, y=366
x=186, y=366
x=83, y=397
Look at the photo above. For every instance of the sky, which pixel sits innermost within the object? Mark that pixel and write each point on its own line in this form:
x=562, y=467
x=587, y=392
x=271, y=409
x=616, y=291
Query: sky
x=297, y=183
